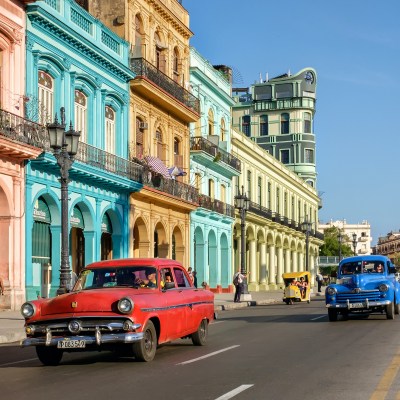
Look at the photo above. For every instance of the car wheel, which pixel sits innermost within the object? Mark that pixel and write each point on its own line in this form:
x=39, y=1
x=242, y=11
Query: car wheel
x=199, y=338
x=49, y=355
x=332, y=314
x=145, y=350
x=390, y=310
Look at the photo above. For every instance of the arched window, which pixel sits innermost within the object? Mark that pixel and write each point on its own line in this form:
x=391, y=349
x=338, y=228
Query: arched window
x=307, y=123
x=81, y=115
x=223, y=130
x=211, y=188
x=160, y=147
x=46, y=98
x=178, y=157
x=249, y=184
x=176, y=65
x=285, y=123
x=159, y=53
x=110, y=130
x=263, y=125
x=210, y=122
x=139, y=138
x=223, y=193
x=139, y=32
x=246, y=125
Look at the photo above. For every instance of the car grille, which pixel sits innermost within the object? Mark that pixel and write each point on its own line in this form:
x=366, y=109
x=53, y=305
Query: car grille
x=371, y=295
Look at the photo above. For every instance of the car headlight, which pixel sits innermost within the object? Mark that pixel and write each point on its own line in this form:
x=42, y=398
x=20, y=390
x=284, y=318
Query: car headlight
x=28, y=310
x=125, y=305
x=383, y=287
x=331, y=290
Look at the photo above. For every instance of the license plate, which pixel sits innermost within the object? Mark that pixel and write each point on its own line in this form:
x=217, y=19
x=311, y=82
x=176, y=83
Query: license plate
x=356, y=305
x=71, y=344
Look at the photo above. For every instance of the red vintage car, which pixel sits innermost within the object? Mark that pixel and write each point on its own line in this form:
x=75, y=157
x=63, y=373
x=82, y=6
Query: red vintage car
x=129, y=306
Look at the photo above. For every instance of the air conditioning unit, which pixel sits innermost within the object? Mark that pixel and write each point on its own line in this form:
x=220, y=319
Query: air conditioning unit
x=143, y=125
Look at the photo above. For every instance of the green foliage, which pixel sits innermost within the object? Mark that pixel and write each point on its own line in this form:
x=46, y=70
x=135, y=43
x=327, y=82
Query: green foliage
x=331, y=244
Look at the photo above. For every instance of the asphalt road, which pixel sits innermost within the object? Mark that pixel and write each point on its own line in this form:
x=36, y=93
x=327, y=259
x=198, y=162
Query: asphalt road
x=265, y=352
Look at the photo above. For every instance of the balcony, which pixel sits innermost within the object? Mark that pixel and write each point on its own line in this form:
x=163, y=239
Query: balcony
x=164, y=91
x=285, y=104
x=23, y=131
x=215, y=154
x=170, y=186
x=216, y=205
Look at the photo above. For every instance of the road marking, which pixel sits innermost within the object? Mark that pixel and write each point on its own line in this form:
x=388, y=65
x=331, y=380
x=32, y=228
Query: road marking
x=18, y=362
x=234, y=392
x=314, y=319
x=387, y=379
x=217, y=322
x=208, y=355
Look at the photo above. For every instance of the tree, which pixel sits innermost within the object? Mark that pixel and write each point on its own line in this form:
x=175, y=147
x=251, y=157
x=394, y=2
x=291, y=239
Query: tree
x=331, y=244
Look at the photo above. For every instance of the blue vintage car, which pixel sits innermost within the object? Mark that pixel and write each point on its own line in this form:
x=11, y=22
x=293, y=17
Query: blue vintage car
x=365, y=284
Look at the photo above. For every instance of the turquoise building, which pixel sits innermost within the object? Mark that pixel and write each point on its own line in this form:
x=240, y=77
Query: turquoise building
x=212, y=167
x=73, y=61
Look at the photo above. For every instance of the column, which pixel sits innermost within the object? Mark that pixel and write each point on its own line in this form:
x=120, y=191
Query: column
x=272, y=267
x=287, y=261
x=263, y=266
x=253, y=285
x=279, y=279
x=294, y=261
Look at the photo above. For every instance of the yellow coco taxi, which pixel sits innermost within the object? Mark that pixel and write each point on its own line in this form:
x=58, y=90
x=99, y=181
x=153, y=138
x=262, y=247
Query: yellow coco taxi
x=297, y=287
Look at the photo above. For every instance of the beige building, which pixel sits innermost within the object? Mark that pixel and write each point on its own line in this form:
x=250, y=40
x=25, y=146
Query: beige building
x=160, y=113
x=279, y=202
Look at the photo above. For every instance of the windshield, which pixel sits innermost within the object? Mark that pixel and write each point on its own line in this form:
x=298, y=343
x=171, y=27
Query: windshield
x=362, y=267
x=143, y=276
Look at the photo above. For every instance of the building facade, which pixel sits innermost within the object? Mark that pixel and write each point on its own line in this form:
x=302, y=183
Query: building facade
x=161, y=109
x=212, y=167
x=389, y=246
x=278, y=114
x=78, y=71
x=280, y=201
x=16, y=146
x=363, y=238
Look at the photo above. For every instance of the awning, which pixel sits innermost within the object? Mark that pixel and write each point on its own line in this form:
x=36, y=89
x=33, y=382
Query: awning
x=158, y=166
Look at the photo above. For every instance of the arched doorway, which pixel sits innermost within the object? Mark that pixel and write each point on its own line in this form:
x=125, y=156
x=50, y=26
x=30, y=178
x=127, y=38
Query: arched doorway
x=213, y=263
x=161, y=245
x=177, y=248
x=77, y=240
x=106, y=238
x=141, y=243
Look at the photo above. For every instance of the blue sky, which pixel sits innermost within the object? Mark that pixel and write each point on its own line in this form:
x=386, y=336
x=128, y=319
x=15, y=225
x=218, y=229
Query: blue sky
x=354, y=45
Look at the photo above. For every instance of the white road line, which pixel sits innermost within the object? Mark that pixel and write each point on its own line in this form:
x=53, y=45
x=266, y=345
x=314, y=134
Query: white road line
x=208, y=355
x=234, y=392
x=217, y=322
x=18, y=362
x=322, y=316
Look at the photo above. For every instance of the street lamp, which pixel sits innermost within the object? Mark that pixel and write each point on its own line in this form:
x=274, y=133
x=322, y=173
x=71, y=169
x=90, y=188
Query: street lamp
x=242, y=203
x=65, y=147
x=339, y=236
x=355, y=243
x=306, y=228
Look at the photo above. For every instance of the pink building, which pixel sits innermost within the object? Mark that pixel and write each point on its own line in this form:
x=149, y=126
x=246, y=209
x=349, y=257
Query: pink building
x=14, y=150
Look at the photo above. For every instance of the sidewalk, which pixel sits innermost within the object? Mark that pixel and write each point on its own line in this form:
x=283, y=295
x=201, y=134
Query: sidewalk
x=12, y=323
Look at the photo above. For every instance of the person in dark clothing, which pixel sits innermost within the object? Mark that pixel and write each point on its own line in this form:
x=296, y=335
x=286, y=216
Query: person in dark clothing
x=195, y=279
x=238, y=279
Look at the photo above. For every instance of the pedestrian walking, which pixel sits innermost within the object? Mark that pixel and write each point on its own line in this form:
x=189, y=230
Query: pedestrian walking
x=238, y=279
x=319, y=278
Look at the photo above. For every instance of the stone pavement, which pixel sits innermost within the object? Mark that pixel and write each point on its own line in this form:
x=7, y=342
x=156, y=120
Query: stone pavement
x=12, y=323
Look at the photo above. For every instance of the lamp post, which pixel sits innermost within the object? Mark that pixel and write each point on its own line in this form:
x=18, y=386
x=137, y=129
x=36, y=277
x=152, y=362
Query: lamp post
x=65, y=147
x=242, y=203
x=339, y=237
x=355, y=243
x=306, y=228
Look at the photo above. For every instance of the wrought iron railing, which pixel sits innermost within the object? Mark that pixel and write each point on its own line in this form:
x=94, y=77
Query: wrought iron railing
x=216, y=205
x=109, y=162
x=24, y=131
x=202, y=144
x=170, y=186
x=141, y=67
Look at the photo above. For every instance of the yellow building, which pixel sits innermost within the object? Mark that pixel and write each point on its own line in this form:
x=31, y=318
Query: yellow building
x=280, y=201
x=160, y=112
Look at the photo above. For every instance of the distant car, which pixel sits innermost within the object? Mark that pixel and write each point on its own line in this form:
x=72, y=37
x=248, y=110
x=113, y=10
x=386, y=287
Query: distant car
x=365, y=284
x=129, y=306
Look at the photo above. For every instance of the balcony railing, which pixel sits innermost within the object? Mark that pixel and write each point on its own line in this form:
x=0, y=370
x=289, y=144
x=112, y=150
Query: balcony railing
x=170, y=186
x=216, y=205
x=24, y=131
x=202, y=144
x=142, y=67
x=109, y=162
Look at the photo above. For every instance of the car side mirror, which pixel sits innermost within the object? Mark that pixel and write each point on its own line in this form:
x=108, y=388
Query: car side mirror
x=392, y=270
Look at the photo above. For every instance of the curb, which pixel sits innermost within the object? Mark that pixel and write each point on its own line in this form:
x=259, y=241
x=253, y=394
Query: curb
x=12, y=337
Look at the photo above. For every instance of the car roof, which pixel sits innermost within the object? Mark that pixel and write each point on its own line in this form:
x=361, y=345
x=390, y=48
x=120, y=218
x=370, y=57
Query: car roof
x=132, y=262
x=374, y=257
x=288, y=275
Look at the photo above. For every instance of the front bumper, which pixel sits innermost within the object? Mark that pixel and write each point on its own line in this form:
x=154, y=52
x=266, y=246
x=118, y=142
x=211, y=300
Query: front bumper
x=97, y=339
x=366, y=304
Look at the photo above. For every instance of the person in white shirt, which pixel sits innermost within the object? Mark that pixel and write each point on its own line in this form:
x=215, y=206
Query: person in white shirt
x=238, y=283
